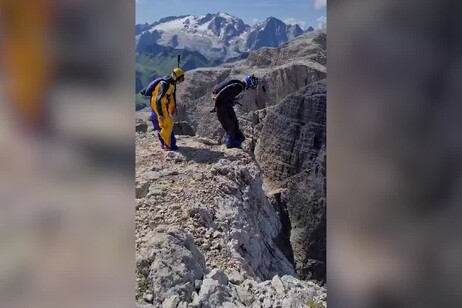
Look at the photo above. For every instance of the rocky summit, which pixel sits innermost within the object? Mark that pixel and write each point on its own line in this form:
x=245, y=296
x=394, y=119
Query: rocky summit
x=218, y=227
x=206, y=232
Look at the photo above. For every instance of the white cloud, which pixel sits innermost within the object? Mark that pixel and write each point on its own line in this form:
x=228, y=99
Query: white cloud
x=319, y=4
x=322, y=22
x=255, y=21
x=293, y=21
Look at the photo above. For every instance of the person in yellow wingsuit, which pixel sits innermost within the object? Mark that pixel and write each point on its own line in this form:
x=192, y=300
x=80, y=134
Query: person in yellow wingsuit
x=163, y=105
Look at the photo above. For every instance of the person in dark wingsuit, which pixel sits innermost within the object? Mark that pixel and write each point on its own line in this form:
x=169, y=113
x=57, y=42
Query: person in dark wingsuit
x=226, y=95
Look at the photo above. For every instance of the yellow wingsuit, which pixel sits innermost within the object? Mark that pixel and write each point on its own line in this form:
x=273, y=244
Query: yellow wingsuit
x=163, y=103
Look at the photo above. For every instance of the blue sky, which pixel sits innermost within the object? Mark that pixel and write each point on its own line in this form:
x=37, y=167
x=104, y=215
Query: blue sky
x=304, y=12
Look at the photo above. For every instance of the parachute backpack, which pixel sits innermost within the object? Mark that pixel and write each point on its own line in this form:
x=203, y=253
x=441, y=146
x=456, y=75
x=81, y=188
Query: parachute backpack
x=251, y=81
x=152, y=86
x=177, y=73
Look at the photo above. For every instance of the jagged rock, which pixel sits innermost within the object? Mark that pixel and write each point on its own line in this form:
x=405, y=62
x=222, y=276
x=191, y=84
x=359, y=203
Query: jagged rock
x=305, y=199
x=244, y=295
x=290, y=68
x=310, y=46
x=236, y=278
x=182, y=305
x=142, y=190
x=267, y=303
x=212, y=293
x=253, y=226
x=290, y=149
x=174, y=264
x=144, y=306
x=202, y=215
x=171, y=302
x=197, y=284
x=141, y=127
x=148, y=297
x=277, y=284
x=183, y=128
x=293, y=133
x=290, y=281
x=265, y=283
x=218, y=275
x=196, y=301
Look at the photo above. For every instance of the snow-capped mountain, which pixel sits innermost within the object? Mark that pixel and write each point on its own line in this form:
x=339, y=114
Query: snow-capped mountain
x=217, y=36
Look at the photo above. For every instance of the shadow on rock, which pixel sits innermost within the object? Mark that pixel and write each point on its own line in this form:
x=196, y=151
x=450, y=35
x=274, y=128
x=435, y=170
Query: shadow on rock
x=201, y=155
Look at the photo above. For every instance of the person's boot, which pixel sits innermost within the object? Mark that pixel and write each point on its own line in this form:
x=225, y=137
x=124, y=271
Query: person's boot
x=232, y=145
x=173, y=146
x=229, y=143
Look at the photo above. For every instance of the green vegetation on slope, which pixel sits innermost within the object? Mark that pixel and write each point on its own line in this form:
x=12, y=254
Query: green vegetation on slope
x=156, y=60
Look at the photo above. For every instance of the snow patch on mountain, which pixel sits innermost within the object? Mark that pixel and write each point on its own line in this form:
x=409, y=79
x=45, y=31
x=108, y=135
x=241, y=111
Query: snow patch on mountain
x=219, y=36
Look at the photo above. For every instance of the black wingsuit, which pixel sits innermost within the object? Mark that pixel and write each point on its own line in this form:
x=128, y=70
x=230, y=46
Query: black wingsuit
x=226, y=92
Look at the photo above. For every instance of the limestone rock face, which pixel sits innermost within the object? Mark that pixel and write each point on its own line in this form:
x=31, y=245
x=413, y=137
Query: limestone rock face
x=304, y=198
x=171, y=262
x=290, y=147
x=310, y=46
x=293, y=133
x=282, y=71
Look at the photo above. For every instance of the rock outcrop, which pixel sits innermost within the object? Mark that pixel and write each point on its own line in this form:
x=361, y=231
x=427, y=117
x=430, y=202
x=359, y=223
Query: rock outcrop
x=282, y=71
x=304, y=198
x=289, y=144
x=293, y=133
x=206, y=232
x=141, y=126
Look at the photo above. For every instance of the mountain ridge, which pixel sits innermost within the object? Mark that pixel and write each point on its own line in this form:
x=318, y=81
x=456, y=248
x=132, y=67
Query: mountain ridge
x=218, y=36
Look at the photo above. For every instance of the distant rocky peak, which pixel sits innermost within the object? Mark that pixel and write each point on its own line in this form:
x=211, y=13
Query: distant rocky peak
x=218, y=36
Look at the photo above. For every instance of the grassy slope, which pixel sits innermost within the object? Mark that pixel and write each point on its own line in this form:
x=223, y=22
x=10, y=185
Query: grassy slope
x=157, y=61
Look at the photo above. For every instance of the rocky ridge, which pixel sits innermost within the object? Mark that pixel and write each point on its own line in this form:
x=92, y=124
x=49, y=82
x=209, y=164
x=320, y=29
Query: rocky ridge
x=206, y=232
x=221, y=227
x=282, y=71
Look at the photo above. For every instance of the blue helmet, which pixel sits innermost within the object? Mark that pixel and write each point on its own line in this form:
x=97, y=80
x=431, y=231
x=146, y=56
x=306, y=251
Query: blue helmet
x=251, y=81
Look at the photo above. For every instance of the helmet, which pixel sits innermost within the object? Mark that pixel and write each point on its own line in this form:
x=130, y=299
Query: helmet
x=178, y=74
x=251, y=81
